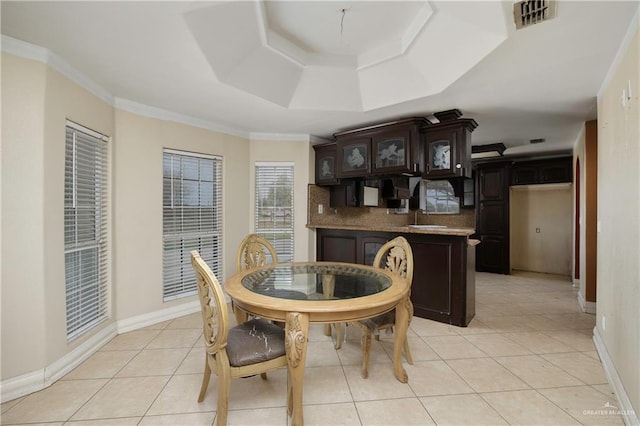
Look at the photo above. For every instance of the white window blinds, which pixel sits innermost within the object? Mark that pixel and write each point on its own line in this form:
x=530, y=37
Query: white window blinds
x=192, y=219
x=85, y=228
x=274, y=206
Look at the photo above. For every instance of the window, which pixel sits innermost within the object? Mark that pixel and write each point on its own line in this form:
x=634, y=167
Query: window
x=191, y=219
x=86, y=254
x=274, y=207
x=441, y=198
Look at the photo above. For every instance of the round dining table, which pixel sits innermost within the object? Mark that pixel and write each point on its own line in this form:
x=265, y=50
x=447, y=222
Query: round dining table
x=301, y=293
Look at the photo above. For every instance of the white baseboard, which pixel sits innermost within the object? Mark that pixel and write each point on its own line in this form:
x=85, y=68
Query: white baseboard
x=145, y=320
x=588, y=307
x=16, y=387
x=624, y=403
x=34, y=381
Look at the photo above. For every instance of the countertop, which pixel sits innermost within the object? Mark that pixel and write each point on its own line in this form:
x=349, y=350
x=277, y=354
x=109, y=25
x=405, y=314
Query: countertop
x=405, y=229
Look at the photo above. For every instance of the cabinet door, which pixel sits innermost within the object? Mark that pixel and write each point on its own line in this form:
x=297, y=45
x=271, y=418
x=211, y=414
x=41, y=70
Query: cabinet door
x=354, y=157
x=556, y=171
x=337, y=248
x=391, y=152
x=431, y=290
x=524, y=175
x=326, y=173
x=492, y=183
x=441, y=153
x=492, y=254
x=491, y=218
x=344, y=195
x=369, y=248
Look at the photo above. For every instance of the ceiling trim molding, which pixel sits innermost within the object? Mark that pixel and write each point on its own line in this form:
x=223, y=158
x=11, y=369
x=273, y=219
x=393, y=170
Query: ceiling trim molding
x=166, y=115
x=34, y=52
x=37, y=53
x=280, y=137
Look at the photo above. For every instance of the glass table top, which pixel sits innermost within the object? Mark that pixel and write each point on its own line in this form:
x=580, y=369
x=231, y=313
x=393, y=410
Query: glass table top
x=316, y=281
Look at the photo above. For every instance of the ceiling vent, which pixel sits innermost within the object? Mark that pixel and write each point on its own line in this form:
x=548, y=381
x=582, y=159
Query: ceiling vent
x=530, y=12
x=537, y=140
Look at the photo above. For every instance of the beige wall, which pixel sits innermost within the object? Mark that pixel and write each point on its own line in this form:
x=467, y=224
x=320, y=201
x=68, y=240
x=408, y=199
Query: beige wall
x=138, y=146
x=23, y=87
x=301, y=153
x=548, y=208
x=36, y=101
x=618, y=291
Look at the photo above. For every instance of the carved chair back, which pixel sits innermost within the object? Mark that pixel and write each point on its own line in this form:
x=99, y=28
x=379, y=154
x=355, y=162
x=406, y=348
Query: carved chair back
x=215, y=316
x=396, y=256
x=254, y=252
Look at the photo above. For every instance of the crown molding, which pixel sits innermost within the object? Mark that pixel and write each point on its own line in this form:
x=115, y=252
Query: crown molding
x=277, y=137
x=163, y=114
x=37, y=53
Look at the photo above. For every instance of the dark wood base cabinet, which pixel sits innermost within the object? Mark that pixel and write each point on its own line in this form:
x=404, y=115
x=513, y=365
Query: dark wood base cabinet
x=443, y=287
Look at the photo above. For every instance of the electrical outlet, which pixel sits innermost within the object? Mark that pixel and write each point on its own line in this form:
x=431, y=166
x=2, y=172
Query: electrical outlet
x=537, y=230
x=320, y=209
x=604, y=323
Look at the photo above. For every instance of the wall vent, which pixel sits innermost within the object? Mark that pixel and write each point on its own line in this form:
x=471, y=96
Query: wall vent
x=537, y=140
x=530, y=12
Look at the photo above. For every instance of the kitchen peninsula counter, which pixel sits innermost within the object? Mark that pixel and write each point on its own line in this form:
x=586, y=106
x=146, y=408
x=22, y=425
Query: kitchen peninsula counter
x=404, y=229
x=443, y=287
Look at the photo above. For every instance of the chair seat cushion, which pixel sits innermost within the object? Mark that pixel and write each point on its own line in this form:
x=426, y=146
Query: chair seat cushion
x=388, y=318
x=254, y=341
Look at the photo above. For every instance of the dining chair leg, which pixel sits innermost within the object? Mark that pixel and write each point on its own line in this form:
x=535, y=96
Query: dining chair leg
x=205, y=379
x=366, y=351
x=224, y=385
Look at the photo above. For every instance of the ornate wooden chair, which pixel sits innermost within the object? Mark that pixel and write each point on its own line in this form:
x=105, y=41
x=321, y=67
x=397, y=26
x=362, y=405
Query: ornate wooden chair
x=395, y=256
x=250, y=348
x=254, y=252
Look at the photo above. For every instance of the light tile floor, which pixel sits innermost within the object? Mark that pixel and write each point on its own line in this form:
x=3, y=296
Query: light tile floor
x=526, y=358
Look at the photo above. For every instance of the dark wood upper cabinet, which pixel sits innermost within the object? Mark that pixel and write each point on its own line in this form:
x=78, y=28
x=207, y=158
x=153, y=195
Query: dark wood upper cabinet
x=556, y=171
x=382, y=150
x=326, y=173
x=448, y=149
x=344, y=195
x=524, y=175
x=552, y=170
x=354, y=157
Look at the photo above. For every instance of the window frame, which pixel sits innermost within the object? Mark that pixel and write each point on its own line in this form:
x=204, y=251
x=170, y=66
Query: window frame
x=86, y=214
x=281, y=215
x=190, y=220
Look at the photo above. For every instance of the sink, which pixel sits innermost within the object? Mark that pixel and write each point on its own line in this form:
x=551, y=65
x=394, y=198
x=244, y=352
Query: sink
x=428, y=226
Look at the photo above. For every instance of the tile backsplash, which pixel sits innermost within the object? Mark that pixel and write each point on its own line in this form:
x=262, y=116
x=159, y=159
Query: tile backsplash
x=375, y=215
